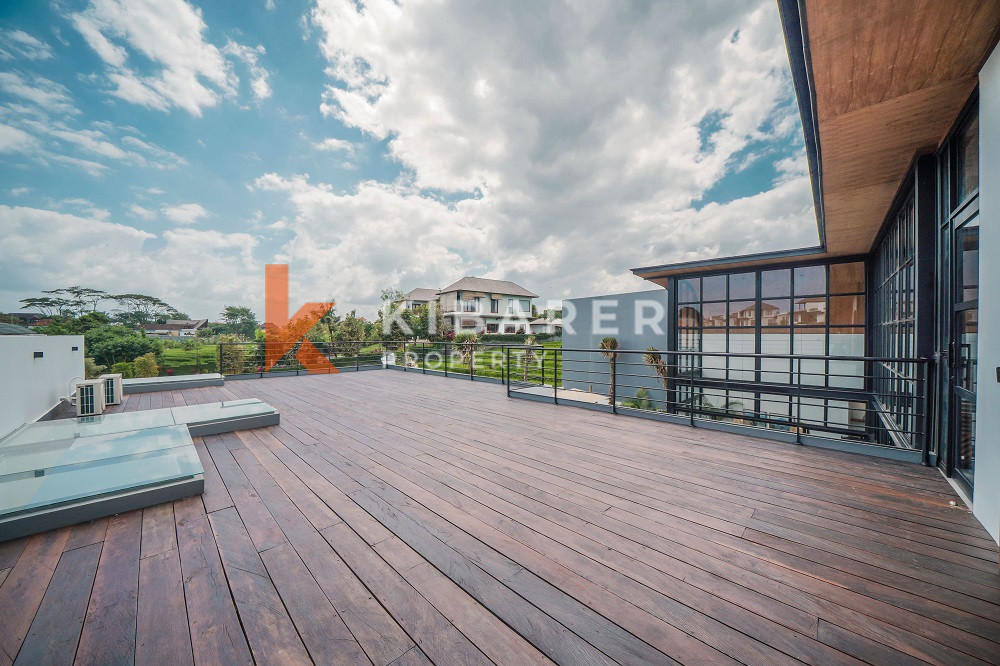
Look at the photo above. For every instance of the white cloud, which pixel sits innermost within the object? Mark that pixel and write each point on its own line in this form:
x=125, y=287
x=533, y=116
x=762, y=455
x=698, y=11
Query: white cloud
x=19, y=191
x=336, y=145
x=13, y=140
x=47, y=95
x=185, y=214
x=251, y=58
x=141, y=212
x=559, y=148
x=45, y=249
x=19, y=44
x=190, y=73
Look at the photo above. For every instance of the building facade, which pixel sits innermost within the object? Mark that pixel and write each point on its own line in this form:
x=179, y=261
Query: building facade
x=892, y=316
x=481, y=305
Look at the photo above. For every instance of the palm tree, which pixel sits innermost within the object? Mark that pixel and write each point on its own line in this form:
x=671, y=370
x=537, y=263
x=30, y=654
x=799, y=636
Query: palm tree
x=652, y=357
x=609, y=348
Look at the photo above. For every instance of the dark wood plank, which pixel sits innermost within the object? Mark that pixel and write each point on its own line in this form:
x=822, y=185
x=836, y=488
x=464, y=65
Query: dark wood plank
x=215, y=496
x=216, y=634
x=437, y=637
x=269, y=630
x=162, y=634
x=109, y=631
x=159, y=534
x=55, y=630
x=325, y=635
x=25, y=586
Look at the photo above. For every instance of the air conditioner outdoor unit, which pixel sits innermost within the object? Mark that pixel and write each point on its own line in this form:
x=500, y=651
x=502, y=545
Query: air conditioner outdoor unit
x=112, y=389
x=90, y=397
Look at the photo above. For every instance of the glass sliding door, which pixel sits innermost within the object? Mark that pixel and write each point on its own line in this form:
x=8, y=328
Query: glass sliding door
x=959, y=297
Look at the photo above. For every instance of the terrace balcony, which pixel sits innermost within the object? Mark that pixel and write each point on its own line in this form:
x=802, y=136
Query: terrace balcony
x=396, y=517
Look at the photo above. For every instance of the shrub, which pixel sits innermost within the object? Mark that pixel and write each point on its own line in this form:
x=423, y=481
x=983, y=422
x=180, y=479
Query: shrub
x=505, y=338
x=145, y=366
x=91, y=369
x=640, y=401
x=238, y=357
x=110, y=344
x=124, y=368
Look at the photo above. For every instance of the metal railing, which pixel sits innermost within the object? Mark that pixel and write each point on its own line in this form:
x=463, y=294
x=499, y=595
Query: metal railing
x=834, y=397
x=838, y=397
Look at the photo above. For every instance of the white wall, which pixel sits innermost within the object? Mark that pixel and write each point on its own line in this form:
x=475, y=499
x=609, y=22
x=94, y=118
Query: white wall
x=29, y=386
x=986, y=499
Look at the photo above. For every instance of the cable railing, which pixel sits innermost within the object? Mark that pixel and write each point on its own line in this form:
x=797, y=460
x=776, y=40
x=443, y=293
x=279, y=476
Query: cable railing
x=834, y=397
x=847, y=398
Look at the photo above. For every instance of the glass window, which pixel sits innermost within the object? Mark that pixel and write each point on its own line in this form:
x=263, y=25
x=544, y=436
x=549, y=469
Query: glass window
x=809, y=311
x=966, y=177
x=689, y=290
x=847, y=278
x=742, y=314
x=714, y=288
x=776, y=283
x=776, y=312
x=847, y=310
x=689, y=316
x=713, y=314
x=741, y=285
x=810, y=280
x=968, y=237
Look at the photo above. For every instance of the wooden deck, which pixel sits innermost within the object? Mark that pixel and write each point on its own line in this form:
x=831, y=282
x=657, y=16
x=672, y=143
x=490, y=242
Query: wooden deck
x=394, y=518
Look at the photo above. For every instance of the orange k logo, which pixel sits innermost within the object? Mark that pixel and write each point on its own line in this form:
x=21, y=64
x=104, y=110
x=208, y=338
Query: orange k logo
x=283, y=333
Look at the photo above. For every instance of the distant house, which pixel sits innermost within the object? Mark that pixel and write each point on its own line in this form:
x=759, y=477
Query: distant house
x=174, y=328
x=418, y=296
x=481, y=305
x=543, y=325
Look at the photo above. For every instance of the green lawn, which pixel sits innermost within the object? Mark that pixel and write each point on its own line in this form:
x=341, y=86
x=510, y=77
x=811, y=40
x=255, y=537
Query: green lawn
x=190, y=361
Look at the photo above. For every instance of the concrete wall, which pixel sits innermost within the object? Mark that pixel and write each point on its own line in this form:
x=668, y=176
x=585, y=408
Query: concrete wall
x=29, y=386
x=986, y=499
x=637, y=319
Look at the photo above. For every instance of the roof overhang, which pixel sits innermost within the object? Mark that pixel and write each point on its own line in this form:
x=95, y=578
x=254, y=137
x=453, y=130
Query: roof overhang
x=876, y=84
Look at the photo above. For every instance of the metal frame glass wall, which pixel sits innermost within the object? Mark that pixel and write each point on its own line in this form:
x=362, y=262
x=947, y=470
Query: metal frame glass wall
x=893, y=318
x=958, y=294
x=815, y=309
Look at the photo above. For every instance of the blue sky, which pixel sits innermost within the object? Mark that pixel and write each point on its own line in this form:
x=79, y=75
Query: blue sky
x=174, y=148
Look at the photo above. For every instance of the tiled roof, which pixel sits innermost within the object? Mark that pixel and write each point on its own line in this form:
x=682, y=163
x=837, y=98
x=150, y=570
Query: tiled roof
x=420, y=294
x=487, y=286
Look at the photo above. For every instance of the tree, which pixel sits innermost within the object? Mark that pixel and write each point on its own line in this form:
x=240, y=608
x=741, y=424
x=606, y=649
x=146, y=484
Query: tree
x=111, y=344
x=47, y=306
x=351, y=330
x=145, y=366
x=240, y=320
x=136, y=309
x=81, y=299
x=609, y=350
x=330, y=320
x=654, y=358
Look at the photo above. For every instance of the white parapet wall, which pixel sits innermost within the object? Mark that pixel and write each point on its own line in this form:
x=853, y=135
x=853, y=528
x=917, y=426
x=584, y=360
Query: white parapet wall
x=36, y=372
x=986, y=497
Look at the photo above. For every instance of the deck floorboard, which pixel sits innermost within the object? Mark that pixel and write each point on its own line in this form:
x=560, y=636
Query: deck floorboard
x=394, y=518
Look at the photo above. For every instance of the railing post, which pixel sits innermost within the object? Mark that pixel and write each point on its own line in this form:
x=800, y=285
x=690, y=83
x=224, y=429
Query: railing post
x=406, y=359
x=472, y=360
x=555, y=375
x=447, y=355
x=543, y=368
x=614, y=387
x=691, y=396
x=925, y=434
x=423, y=358
x=220, y=359
x=798, y=402
x=506, y=363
